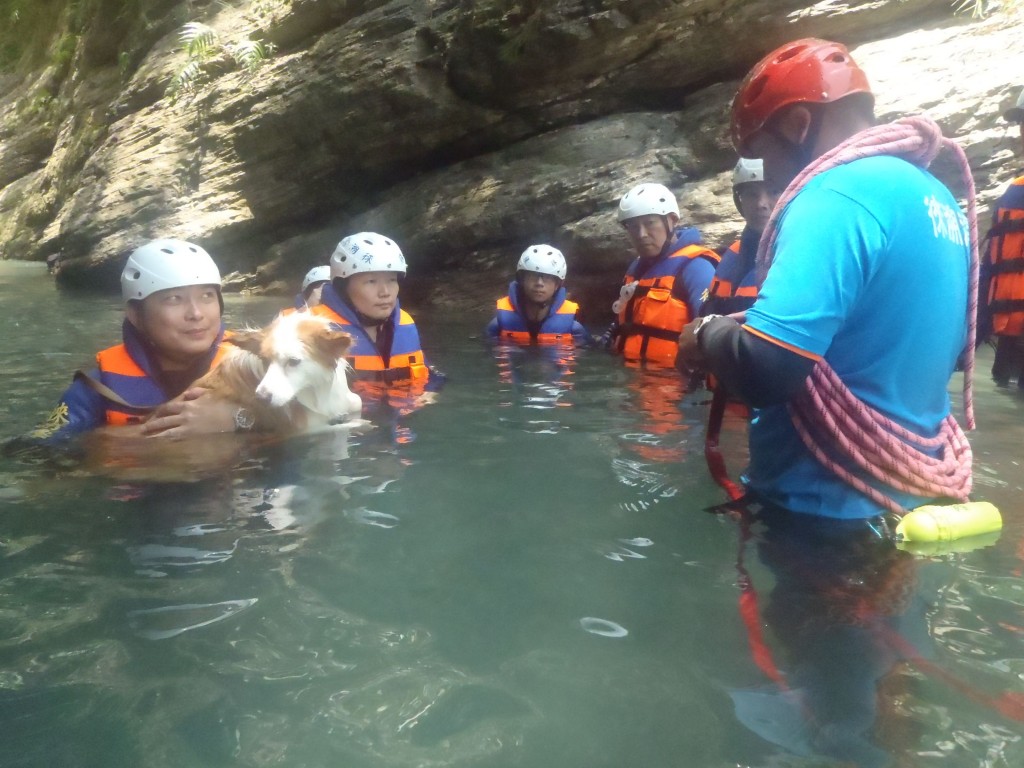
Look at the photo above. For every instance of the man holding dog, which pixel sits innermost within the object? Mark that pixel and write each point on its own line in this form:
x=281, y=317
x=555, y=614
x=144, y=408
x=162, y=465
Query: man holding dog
x=171, y=336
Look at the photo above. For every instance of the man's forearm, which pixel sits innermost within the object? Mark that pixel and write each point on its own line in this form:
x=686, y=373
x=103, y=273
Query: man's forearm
x=756, y=371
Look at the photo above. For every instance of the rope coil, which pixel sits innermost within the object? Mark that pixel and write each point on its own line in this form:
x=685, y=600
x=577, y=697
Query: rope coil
x=841, y=431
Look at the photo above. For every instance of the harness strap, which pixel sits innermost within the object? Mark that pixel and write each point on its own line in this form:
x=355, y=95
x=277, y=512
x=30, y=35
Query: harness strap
x=109, y=394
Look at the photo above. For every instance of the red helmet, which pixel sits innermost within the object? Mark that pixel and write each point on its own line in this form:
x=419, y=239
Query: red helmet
x=804, y=71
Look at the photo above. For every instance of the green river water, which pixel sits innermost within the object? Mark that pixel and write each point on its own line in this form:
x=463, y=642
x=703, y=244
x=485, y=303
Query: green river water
x=521, y=574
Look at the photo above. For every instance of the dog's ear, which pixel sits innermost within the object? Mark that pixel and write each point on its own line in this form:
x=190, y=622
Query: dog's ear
x=334, y=343
x=249, y=340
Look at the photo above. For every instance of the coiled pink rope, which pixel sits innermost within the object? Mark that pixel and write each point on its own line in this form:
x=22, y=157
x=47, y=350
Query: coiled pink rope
x=838, y=428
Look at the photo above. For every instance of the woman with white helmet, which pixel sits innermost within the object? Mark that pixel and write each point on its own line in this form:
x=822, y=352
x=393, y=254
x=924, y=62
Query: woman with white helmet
x=536, y=309
x=362, y=297
x=734, y=287
x=665, y=285
x=172, y=335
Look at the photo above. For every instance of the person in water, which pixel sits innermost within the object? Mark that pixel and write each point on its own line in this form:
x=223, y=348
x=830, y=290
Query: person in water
x=362, y=297
x=1002, y=296
x=312, y=285
x=844, y=242
x=171, y=336
x=536, y=310
x=734, y=286
x=664, y=287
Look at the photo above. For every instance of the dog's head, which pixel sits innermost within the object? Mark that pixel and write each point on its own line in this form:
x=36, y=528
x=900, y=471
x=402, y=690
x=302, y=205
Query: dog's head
x=300, y=351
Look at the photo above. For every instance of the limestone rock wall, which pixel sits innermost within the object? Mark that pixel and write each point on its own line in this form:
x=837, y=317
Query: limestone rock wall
x=465, y=129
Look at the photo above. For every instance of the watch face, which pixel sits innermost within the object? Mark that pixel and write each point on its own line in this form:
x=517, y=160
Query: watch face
x=244, y=419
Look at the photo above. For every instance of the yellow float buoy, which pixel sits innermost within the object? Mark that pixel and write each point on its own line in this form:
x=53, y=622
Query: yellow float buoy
x=949, y=523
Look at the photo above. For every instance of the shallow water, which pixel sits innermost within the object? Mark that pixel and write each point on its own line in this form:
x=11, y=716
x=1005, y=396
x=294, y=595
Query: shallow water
x=519, y=574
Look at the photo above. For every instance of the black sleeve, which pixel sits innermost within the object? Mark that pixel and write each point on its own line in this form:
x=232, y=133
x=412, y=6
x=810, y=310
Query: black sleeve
x=756, y=371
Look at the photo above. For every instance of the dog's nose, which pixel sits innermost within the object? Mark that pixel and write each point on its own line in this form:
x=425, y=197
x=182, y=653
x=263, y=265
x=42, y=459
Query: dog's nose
x=263, y=394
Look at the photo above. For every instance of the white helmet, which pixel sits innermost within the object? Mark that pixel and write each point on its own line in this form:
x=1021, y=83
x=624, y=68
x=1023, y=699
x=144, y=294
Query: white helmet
x=544, y=259
x=366, y=252
x=320, y=274
x=645, y=199
x=747, y=170
x=162, y=264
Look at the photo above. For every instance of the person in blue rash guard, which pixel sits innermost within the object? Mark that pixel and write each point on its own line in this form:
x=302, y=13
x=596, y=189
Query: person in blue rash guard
x=172, y=335
x=870, y=273
x=536, y=310
x=664, y=287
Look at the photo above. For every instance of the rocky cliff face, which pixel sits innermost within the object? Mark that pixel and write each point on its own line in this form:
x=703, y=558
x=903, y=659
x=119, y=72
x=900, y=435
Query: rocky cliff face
x=465, y=129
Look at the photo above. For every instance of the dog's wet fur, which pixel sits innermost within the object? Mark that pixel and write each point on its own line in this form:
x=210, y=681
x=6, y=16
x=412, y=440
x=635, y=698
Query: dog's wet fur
x=290, y=375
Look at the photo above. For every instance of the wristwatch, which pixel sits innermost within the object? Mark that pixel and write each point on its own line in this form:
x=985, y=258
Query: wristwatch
x=244, y=420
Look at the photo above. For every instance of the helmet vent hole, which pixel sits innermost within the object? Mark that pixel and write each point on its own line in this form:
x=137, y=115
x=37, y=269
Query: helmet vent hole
x=755, y=89
x=794, y=51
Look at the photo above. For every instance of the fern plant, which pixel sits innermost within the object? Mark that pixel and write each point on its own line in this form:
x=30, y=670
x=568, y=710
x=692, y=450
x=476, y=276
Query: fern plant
x=250, y=54
x=198, y=40
x=202, y=48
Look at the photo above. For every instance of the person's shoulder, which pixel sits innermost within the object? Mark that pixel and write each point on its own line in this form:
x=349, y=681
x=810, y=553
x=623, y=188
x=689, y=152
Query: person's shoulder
x=874, y=186
x=1013, y=195
x=868, y=173
x=698, y=252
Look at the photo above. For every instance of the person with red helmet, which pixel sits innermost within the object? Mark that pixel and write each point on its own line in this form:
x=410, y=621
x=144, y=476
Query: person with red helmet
x=869, y=279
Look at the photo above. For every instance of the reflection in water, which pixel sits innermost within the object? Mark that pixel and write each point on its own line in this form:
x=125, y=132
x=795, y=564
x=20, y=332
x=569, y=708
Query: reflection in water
x=844, y=609
x=172, y=620
x=603, y=627
x=378, y=603
x=858, y=641
x=535, y=377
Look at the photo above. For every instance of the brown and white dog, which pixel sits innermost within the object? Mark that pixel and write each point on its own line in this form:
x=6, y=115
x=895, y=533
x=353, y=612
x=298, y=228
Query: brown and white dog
x=289, y=375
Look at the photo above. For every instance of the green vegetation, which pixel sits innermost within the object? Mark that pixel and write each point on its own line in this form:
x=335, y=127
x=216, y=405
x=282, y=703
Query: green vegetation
x=27, y=30
x=205, y=54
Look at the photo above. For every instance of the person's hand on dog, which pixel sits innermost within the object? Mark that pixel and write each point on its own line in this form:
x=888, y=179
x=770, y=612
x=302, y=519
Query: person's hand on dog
x=194, y=412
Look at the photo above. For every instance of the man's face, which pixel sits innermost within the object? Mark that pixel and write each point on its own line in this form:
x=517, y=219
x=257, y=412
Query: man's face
x=648, y=234
x=180, y=323
x=373, y=294
x=756, y=200
x=538, y=287
x=782, y=161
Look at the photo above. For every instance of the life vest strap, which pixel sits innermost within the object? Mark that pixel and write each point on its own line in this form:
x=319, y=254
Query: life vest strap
x=1004, y=266
x=636, y=329
x=1006, y=227
x=109, y=394
x=385, y=376
x=1006, y=306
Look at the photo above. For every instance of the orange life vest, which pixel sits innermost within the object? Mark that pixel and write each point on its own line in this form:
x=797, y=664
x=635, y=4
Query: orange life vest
x=1006, y=261
x=650, y=322
x=120, y=372
x=556, y=328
